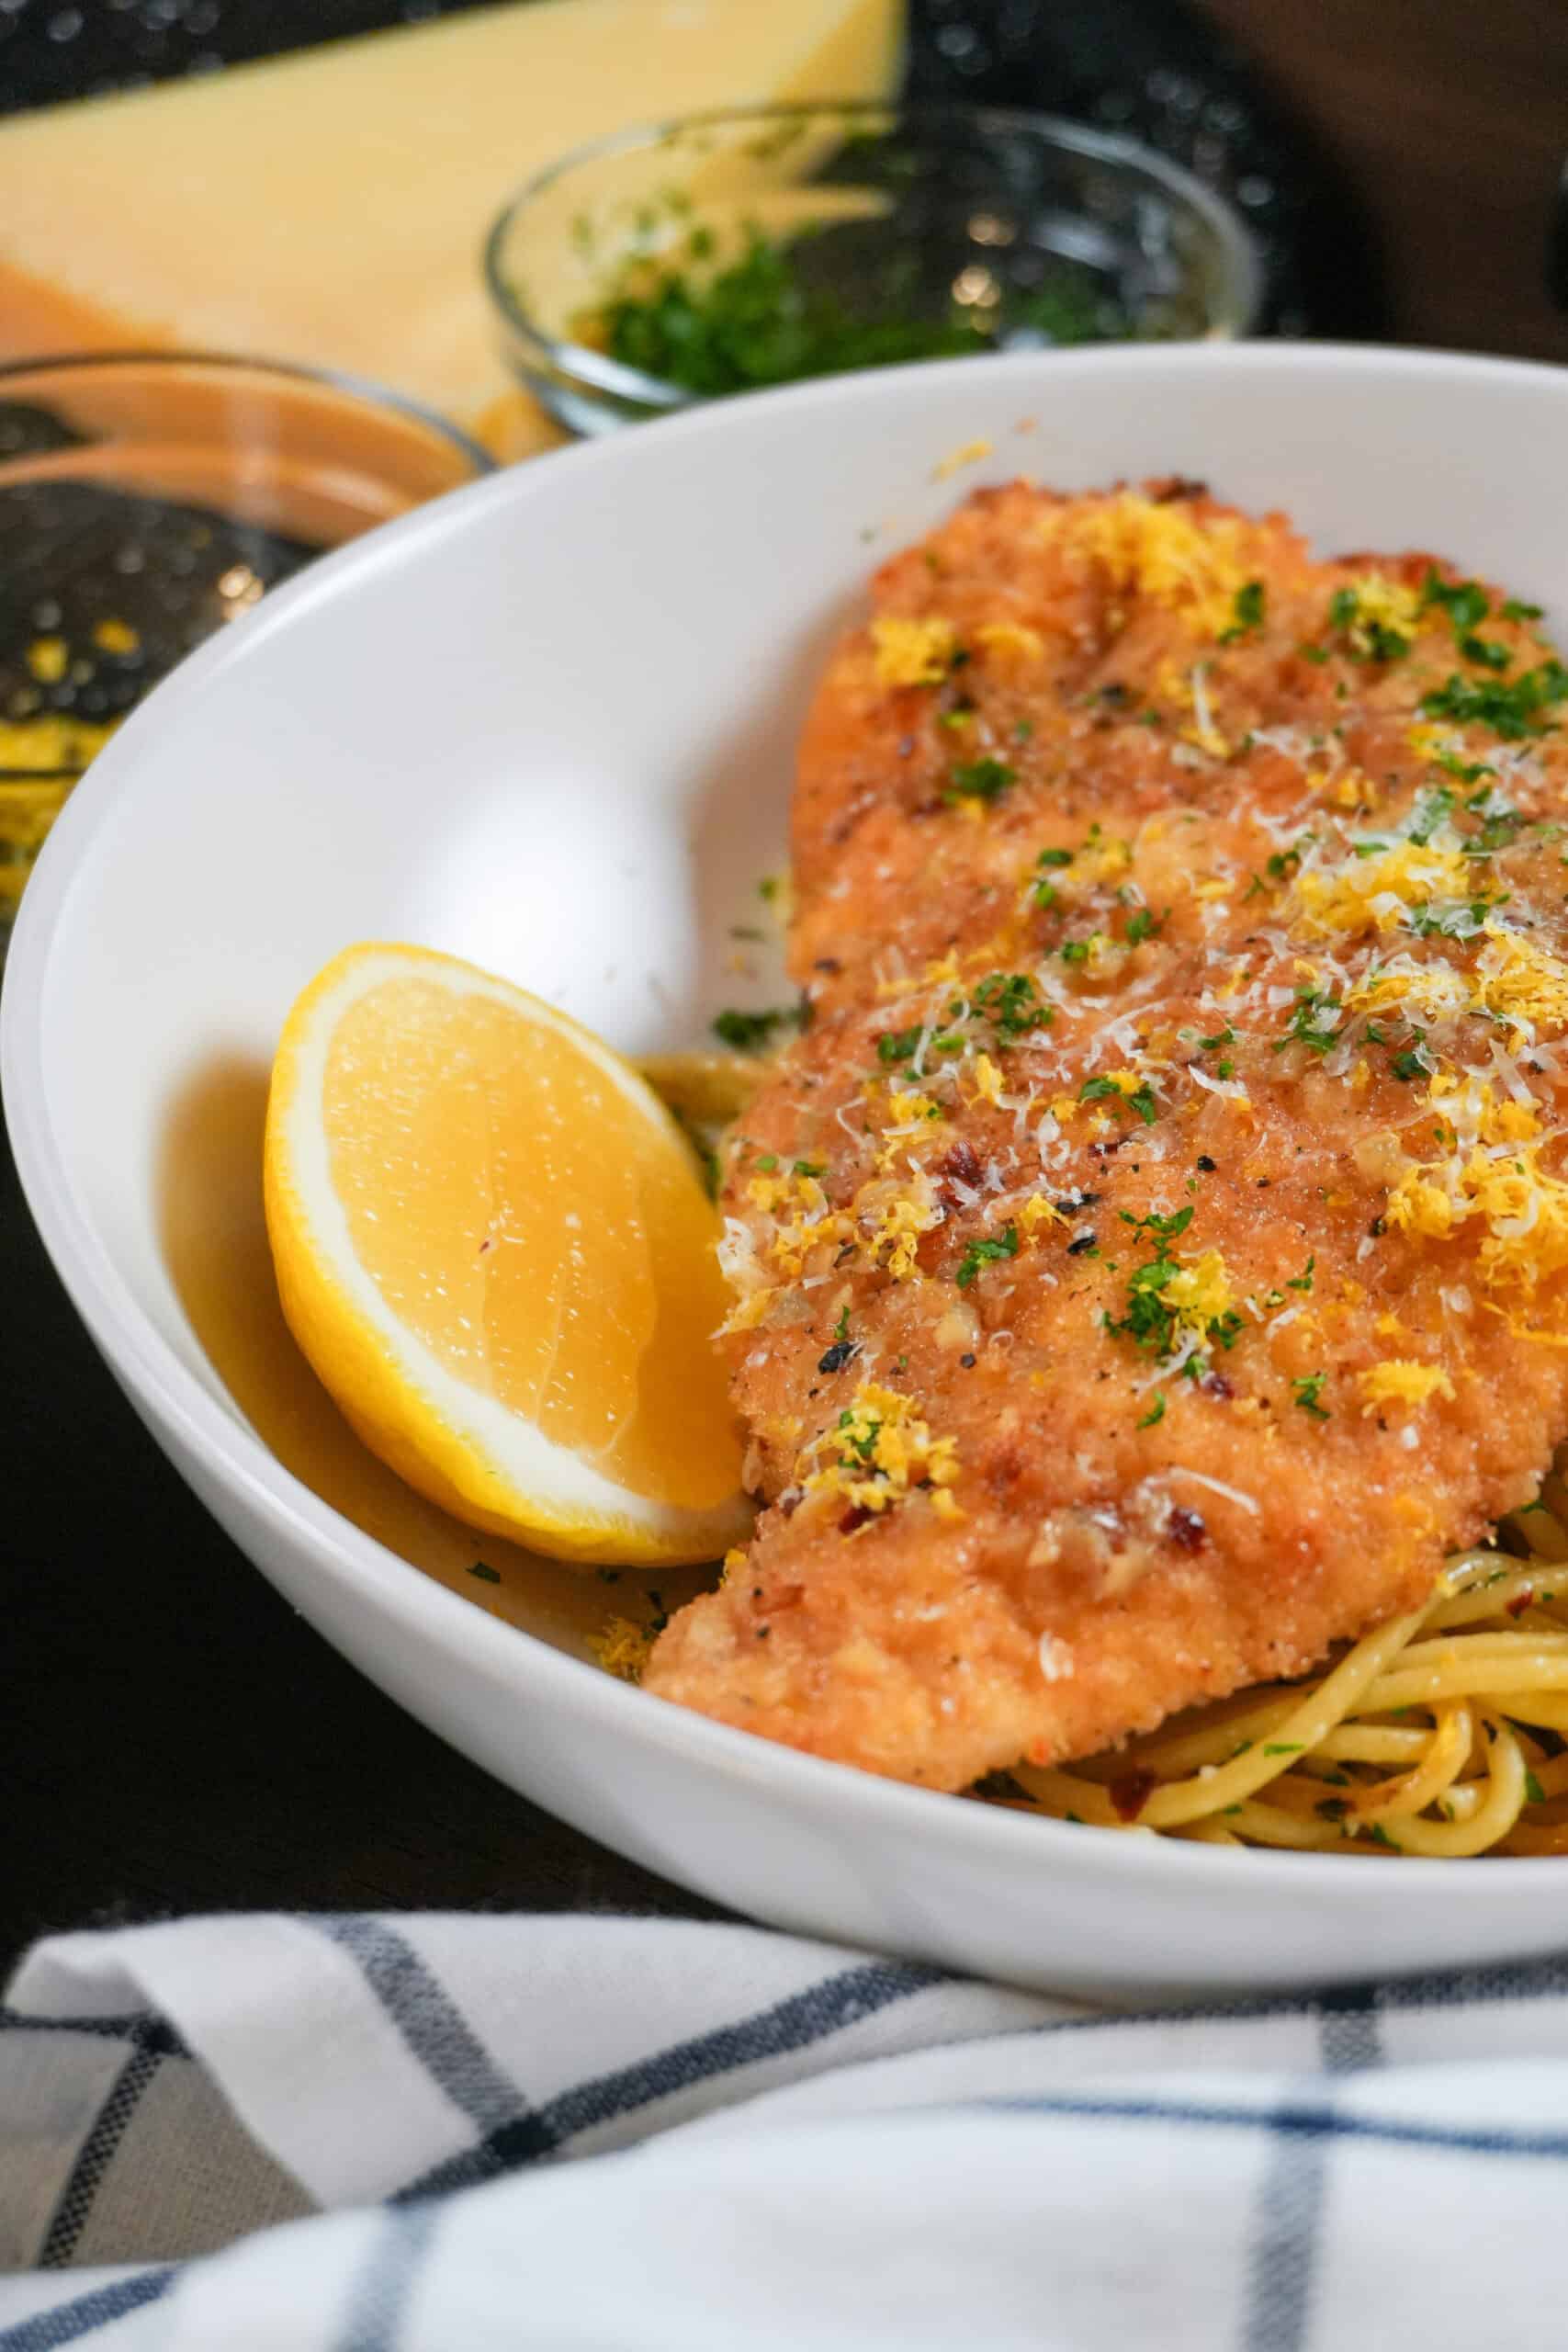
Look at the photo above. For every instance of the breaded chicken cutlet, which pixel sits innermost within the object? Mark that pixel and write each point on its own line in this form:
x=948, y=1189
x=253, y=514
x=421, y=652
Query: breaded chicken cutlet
x=1149, y=1261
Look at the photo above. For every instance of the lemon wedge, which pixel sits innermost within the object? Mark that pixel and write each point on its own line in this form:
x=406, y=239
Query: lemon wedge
x=493, y=1246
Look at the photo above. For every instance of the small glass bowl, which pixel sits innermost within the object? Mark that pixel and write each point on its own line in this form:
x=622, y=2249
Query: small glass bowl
x=919, y=231
x=145, y=500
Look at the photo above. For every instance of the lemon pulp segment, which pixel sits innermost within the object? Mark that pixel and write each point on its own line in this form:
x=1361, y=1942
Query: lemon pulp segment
x=501, y=1193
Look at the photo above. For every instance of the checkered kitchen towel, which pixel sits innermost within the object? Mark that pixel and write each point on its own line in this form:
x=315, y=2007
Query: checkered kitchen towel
x=443, y=2134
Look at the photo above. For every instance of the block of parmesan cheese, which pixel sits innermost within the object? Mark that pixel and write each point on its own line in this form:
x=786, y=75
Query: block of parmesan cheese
x=329, y=208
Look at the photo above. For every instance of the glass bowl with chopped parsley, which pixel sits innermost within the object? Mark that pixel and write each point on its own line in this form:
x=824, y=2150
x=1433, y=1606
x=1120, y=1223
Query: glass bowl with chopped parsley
x=692, y=260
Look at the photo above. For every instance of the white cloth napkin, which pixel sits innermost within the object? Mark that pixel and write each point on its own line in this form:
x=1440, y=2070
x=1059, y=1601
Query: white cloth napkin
x=448, y=2135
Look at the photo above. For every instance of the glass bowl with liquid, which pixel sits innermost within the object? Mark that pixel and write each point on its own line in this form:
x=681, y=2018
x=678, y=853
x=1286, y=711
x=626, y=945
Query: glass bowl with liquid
x=147, y=501
x=693, y=260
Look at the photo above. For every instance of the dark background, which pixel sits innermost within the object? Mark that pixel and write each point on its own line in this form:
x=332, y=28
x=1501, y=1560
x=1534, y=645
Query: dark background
x=172, y=1738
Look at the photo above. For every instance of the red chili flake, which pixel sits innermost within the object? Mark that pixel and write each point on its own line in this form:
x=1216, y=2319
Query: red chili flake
x=1186, y=1529
x=1130, y=1792
x=1520, y=1602
x=960, y=1161
x=856, y=1516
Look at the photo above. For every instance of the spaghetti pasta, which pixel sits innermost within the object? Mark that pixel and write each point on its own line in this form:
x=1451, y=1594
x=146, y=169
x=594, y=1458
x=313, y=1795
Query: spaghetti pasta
x=1443, y=1733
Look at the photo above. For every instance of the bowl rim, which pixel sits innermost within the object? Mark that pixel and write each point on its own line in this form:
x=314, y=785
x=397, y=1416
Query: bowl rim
x=235, y=1459
x=554, y=356
x=364, y=389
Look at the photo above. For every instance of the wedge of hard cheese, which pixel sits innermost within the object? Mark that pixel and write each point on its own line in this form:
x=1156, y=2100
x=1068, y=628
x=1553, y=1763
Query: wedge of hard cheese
x=330, y=208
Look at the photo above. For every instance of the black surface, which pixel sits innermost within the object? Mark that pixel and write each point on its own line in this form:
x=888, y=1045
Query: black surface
x=174, y=1738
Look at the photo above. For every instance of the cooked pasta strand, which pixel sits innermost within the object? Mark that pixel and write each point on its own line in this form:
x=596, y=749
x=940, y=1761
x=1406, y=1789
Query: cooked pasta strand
x=1443, y=1734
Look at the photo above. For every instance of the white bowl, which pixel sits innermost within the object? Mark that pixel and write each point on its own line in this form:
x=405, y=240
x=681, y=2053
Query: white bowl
x=548, y=723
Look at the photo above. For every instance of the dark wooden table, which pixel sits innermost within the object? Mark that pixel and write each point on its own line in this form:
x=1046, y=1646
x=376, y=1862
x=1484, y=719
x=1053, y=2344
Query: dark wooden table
x=175, y=1737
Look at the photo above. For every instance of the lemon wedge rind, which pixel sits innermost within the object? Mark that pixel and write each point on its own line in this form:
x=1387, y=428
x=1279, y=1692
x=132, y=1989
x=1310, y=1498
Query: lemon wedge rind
x=467, y=1452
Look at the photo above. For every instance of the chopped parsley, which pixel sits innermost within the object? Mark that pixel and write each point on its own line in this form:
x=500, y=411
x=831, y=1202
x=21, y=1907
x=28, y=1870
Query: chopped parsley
x=1466, y=771
x=986, y=1253
x=1105, y=1090
x=1306, y=1392
x=1465, y=602
x=985, y=780
x=1513, y=711
x=1286, y=862
x=1079, y=951
x=1303, y=1280
x=1499, y=827
x=1012, y=1003
x=1246, y=612
x=1534, y=1792
x=1225, y=1036
x=1157, y=1410
x=1045, y=894
x=485, y=1573
x=1305, y=1027
x=1514, y=610
x=749, y=1033
x=899, y=1044
x=765, y=319
x=1143, y=925
x=1151, y=1322
x=1434, y=810
x=1163, y=1228
x=1456, y=921
x=1367, y=640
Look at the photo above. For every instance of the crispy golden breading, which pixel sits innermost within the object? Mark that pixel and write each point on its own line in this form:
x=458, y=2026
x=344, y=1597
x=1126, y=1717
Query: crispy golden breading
x=1150, y=1261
